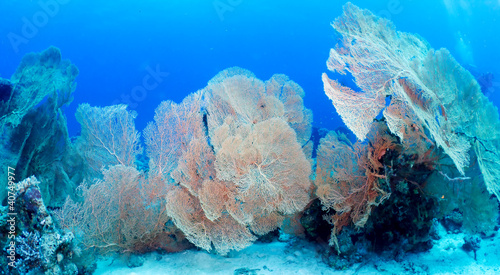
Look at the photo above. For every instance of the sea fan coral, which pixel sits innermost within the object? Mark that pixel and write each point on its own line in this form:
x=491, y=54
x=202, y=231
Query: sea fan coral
x=233, y=155
x=108, y=137
x=350, y=178
x=429, y=91
x=122, y=212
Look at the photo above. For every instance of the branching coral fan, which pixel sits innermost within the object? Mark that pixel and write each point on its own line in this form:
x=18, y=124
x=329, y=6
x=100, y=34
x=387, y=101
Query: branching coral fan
x=108, y=137
x=229, y=162
x=236, y=161
x=429, y=92
x=350, y=178
x=228, y=159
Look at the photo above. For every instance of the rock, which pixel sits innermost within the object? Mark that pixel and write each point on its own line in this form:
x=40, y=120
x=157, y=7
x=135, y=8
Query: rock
x=60, y=257
x=246, y=271
x=316, y=228
x=453, y=221
x=472, y=243
x=283, y=237
x=346, y=247
x=336, y=262
x=290, y=258
x=70, y=269
x=269, y=237
x=135, y=261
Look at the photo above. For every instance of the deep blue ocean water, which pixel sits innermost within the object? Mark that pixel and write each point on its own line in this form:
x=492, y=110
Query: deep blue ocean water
x=181, y=44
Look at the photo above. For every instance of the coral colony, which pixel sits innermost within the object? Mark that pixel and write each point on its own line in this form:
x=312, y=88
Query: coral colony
x=239, y=160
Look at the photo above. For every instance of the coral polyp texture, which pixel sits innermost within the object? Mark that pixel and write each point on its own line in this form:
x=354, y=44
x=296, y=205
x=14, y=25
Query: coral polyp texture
x=430, y=93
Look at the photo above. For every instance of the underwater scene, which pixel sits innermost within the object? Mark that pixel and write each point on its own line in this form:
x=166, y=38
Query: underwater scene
x=250, y=137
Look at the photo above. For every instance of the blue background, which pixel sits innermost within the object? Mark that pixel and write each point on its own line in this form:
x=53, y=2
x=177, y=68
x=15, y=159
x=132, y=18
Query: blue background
x=114, y=42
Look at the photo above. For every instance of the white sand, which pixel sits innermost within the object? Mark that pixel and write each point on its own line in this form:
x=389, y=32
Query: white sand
x=446, y=257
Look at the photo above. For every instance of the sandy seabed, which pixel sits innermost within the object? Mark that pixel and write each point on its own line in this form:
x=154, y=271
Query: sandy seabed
x=446, y=257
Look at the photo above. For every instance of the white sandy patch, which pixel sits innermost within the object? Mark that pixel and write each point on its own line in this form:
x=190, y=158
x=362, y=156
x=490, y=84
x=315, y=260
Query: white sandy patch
x=446, y=257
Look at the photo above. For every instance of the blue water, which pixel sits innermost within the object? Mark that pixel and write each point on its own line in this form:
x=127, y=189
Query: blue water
x=116, y=44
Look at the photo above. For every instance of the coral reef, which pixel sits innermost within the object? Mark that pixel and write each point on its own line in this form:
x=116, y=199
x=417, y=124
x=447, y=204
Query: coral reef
x=121, y=213
x=117, y=208
x=464, y=202
x=238, y=161
x=233, y=155
x=39, y=246
x=377, y=187
x=108, y=138
x=434, y=156
x=444, y=104
x=33, y=133
x=229, y=160
x=351, y=179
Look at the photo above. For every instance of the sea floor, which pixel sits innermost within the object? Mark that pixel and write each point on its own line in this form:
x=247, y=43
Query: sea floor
x=301, y=257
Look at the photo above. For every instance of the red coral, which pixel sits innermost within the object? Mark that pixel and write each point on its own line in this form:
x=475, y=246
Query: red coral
x=348, y=177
